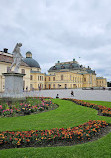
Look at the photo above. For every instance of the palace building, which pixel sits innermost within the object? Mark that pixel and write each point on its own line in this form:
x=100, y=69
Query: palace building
x=61, y=75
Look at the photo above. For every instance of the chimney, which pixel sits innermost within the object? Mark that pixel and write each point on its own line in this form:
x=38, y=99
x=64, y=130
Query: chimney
x=5, y=50
x=74, y=60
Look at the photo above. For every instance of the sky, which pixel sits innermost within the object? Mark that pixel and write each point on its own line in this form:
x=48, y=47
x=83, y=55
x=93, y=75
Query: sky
x=59, y=30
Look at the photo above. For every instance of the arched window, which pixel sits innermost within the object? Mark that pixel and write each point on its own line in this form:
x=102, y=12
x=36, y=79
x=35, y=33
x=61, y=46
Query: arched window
x=71, y=66
x=8, y=69
x=23, y=71
x=62, y=67
x=54, y=68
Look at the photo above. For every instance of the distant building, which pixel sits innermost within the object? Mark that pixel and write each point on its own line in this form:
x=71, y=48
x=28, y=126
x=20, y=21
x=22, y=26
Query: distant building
x=72, y=75
x=61, y=75
x=101, y=82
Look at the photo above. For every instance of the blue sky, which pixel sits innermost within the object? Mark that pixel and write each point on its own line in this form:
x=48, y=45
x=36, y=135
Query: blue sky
x=59, y=30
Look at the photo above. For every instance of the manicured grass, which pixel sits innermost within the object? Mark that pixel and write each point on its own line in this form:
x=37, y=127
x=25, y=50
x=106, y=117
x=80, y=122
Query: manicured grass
x=67, y=115
x=103, y=103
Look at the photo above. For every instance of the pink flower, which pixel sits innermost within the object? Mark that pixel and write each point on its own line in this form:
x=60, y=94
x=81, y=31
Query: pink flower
x=0, y=106
x=11, y=111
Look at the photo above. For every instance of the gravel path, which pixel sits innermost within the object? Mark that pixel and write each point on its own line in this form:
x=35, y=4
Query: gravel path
x=100, y=95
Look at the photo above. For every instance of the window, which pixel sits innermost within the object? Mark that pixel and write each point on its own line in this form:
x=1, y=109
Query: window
x=61, y=77
x=31, y=77
x=53, y=78
x=45, y=78
x=65, y=86
x=8, y=69
x=54, y=68
x=84, y=79
x=49, y=86
x=62, y=67
x=49, y=78
x=38, y=78
x=23, y=71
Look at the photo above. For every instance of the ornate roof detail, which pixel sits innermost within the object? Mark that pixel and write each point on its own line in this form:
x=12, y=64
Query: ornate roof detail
x=30, y=61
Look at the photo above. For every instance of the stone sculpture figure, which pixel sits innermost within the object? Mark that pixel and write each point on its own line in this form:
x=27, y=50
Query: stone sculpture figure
x=17, y=57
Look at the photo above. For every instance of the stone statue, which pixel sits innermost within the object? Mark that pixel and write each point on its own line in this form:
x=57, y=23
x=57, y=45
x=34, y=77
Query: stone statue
x=17, y=57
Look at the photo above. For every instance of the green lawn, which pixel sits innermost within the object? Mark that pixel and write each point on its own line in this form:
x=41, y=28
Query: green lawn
x=104, y=103
x=67, y=115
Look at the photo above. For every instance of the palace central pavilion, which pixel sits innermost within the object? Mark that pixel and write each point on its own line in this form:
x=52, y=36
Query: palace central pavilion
x=61, y=75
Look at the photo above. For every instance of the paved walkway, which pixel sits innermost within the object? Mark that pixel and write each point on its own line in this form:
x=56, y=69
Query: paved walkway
x=100, y=95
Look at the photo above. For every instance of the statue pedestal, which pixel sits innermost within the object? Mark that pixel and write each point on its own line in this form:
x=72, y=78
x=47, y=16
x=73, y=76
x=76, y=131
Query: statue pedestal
x=13, y=85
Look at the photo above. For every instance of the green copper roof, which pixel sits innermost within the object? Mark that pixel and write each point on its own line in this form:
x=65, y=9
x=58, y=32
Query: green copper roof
x=31, y=62
x=65, y=66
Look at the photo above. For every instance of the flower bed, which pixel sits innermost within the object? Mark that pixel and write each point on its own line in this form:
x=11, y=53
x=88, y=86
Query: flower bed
x=31, y=105
x=37, y=138
x=104, y=110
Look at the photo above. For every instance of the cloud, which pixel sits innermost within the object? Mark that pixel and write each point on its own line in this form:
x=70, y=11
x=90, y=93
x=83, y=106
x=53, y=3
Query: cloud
x=59, y=30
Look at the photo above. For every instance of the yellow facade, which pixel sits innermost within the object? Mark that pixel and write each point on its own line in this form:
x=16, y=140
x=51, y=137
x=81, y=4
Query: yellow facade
x=64, y=80
x=69, y=80
x=101, y=82
x=37, y=80
x=62, y=75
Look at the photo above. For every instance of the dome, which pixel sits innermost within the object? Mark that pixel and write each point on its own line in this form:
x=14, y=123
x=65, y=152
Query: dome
x=65, y=66
x=30, y=61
